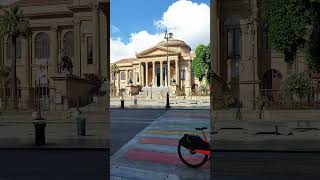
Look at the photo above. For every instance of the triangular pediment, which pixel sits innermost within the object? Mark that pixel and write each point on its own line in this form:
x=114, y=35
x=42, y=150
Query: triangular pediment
x=156, y=51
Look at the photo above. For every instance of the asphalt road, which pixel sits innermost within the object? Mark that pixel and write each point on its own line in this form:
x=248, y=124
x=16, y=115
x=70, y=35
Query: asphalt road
x=265, y=166
x=127, y=123
x=54, y=164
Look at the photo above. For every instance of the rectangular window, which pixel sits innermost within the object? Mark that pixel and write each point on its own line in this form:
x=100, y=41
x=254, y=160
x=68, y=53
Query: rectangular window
x=123, y=76
x=234, y=40
x=230, y=43
x=237, y=42
x=89, y=50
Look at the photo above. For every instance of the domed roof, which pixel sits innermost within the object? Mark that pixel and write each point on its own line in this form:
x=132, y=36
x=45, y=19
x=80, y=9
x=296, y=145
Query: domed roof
x=173, y=42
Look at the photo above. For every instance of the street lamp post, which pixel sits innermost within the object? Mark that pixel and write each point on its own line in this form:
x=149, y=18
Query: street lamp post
x=167, y=36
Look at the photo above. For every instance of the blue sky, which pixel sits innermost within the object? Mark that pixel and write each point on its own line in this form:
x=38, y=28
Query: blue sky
x=135, y=24
x=137, y=15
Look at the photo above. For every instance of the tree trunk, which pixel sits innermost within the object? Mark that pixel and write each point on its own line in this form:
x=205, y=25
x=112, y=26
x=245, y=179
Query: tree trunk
x=14, y=73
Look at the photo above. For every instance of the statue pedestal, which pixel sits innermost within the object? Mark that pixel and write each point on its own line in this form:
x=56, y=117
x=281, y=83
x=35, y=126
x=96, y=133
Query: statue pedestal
x=67, y=89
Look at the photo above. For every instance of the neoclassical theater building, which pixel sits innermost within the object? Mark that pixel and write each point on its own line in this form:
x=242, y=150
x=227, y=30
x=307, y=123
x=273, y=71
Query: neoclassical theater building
x=77, y=28
x=154, y=73
x=241, y=55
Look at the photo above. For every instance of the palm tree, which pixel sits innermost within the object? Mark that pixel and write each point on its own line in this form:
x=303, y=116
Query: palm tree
x=114, y=71
x=13, y=24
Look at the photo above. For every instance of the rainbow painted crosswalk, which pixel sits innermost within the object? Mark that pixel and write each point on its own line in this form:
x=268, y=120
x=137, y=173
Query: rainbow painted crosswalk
x=155, y=148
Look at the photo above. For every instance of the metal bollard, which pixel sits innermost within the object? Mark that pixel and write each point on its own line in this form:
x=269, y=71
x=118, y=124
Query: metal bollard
x=81, y=124
x=40, y=138
x=122, y=102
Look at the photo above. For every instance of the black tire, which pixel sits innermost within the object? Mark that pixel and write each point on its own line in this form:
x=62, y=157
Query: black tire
x=205, y=159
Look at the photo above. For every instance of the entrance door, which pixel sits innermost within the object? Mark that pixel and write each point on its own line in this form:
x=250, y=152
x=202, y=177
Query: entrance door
x=164, y=75
x=158, y=77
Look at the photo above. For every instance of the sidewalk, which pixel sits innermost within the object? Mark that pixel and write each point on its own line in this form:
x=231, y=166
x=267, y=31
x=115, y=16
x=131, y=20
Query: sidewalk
x=161, y=103
x=278, y=130
x=18, y=132
x=153, y=152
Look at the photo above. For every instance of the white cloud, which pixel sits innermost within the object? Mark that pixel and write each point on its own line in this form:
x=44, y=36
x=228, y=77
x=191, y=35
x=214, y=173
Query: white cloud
x=187, y=20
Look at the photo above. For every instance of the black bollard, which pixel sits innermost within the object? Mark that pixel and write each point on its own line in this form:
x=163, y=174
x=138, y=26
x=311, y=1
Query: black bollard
x=81, y=126
x=122, y=103
x=40, y=138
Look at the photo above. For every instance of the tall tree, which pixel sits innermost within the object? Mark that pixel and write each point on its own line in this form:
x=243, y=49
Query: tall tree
x=201, y=63
x=114, y=71
x=287, y=25
x=13, y=24
x=312, y=51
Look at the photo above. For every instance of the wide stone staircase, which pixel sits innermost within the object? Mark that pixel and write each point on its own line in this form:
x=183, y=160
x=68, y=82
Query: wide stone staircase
x=154, y=92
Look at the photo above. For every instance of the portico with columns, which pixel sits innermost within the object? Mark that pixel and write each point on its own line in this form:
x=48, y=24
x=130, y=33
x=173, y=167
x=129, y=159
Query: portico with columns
x=159, y=69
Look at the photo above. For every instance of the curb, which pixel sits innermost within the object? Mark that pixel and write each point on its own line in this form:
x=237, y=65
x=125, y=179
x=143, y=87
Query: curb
x=266, y=151
x=31, y=121
x=156, y=108
x=57, y=149
x=123, y=173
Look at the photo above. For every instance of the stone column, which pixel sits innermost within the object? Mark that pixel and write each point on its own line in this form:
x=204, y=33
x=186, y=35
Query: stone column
x=140, y=77
x=168, y=75
x=127, y=76
x=215, y=35
x=77, y=48
x=177, y=73
x=26, y=85
x=54, y=49
x=96, y=37
x=188, y=80
x=161, y=73
x=27, y=62
x=147, y=75
x=215, y=39
x=153, y=73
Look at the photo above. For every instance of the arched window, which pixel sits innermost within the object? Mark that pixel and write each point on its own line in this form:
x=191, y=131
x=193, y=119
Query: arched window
x=42, y=46
x=9, y=50
x=123, y=76
x=68, y=44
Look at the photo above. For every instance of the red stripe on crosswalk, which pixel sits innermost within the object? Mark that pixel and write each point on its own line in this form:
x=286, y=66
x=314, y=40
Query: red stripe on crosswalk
x=159, y=141
x=156, y=157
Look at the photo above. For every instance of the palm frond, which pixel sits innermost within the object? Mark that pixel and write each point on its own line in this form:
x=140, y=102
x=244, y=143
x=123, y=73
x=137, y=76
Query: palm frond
x=13, y=22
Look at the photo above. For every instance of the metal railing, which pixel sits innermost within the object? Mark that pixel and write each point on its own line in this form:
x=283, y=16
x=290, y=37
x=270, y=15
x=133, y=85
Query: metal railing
x=278, y=99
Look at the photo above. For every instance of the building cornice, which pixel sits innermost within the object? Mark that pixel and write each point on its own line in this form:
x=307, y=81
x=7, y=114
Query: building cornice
x=159, y=55
x=80, y=8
